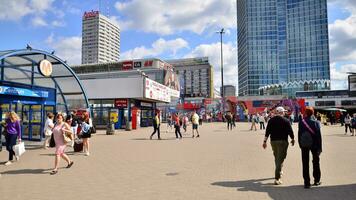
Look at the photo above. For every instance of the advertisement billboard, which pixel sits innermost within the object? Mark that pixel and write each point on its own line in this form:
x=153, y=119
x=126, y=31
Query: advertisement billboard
x=127, y=65
x=156, y=91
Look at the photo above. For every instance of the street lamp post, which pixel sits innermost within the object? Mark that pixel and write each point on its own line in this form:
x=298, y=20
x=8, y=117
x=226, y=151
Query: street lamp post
x=221, y=32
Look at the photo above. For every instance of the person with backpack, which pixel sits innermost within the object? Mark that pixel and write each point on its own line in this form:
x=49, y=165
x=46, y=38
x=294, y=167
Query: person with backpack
x=309, y=139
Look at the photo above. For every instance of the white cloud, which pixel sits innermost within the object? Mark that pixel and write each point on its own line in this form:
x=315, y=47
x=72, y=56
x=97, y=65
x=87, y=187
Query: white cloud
x=230, y=61
x=14, y=10
x=339, y=75
x=38, y=21
x=58, y=23
x=67, y=48
x=36, y=10
x=159, y=47
x=168, y=17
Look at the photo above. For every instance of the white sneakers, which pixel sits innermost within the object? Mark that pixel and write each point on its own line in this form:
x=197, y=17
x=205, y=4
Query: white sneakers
x=278, y=182
x=87, y=154
x=8, y=163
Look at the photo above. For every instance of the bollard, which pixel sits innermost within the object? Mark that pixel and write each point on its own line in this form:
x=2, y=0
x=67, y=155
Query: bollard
x=110, y=129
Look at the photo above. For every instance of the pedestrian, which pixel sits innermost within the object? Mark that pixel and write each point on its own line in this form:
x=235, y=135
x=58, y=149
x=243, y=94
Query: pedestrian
x=279, y=129
x=347, y=121
x=195, y=123
x=353, y=124
x=169, y=122
x=309, y=139
x=48, y=129
x=185, y=123
x=262, y=121
x=156, y=126
x=74, y=125
x=59, y=130
x=228, y=118
x=13, y=133
x=253, y=122
x=200, y=120
x=233, y=120
x=177, y=125
x=85, y=132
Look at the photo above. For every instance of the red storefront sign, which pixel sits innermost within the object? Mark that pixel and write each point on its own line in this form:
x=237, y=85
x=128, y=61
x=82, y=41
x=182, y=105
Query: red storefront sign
x=148, y=63
x=127, y=65
x=121, y=103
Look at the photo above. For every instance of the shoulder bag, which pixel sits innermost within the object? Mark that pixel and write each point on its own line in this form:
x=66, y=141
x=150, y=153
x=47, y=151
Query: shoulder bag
x=306, y=139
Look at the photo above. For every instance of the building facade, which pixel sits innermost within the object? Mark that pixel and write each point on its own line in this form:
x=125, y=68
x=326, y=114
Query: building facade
x=229, y=90
x=100, y=39
x=196, y=76
x=282, y=43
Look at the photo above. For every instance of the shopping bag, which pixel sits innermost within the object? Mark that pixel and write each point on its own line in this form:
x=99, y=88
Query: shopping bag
x=19, y=149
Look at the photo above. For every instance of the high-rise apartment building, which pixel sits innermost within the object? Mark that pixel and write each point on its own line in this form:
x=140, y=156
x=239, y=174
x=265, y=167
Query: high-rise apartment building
x=196, y=76
x=283, y=46
x=100, y=39
x=229, y=90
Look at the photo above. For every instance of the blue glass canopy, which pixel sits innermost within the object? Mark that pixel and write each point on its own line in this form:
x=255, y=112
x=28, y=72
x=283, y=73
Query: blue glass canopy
x=21, y=67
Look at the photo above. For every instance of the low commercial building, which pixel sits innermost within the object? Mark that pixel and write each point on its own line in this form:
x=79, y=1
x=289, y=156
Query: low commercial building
x=128, y=91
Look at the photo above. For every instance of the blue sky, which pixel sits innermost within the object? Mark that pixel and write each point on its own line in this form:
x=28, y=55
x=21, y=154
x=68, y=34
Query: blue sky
x=165, y=29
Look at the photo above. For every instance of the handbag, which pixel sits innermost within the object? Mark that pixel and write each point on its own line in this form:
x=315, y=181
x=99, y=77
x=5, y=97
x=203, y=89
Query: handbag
x=4, y=133
x=19, y=149
x=52, y=143
x=67, y=137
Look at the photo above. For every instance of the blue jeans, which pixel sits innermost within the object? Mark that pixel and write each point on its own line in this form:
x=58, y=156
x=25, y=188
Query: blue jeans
x=10, y=142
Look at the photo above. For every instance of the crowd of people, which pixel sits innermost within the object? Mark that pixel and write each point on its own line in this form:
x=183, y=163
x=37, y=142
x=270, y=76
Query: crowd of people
x=60, y=131
x=177, y=121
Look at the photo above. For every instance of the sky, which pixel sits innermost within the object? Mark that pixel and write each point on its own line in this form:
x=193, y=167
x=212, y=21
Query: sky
x=164, y=29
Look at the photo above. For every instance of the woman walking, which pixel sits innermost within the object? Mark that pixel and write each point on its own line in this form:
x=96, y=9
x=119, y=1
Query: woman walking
x=309, y=138
x=85, y=132
x=48, y=129
x=13, y=130
x=347, y=121
x=60, y=129
x=177, y=126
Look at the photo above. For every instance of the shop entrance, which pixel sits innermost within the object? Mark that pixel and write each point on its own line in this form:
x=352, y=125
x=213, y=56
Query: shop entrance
x=31, y=114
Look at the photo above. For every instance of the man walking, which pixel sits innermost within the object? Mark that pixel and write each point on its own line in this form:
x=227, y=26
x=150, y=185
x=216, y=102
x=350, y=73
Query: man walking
x=279, y=128
x=156, y=126
x=195, y=122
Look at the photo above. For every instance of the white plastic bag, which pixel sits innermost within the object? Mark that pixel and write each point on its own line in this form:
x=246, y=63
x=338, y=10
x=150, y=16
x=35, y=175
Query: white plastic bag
x=19, y=149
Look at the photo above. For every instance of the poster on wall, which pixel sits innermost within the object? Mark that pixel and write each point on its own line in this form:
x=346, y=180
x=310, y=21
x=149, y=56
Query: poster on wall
x=171, y=80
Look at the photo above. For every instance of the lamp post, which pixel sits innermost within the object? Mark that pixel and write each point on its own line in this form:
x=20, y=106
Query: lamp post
x=221, y=32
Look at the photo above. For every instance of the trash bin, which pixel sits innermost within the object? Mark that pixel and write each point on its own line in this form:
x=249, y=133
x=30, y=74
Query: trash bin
x=110, y=129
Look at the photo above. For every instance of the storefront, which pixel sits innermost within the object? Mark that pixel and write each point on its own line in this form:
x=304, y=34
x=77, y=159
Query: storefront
x=122, y=100
x=33, y=83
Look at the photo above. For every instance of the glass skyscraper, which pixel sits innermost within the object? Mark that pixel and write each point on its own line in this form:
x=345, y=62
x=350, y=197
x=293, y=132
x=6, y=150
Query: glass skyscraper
x=283, y=46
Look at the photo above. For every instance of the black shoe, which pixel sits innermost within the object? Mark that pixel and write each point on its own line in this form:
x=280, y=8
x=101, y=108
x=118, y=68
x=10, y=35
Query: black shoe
x=70, y=164
x=317, y=183
x=198, y=136
x=307, y=186
x=54, y=172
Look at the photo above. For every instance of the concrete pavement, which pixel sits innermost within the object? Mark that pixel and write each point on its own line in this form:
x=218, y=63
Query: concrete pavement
x=220, y=165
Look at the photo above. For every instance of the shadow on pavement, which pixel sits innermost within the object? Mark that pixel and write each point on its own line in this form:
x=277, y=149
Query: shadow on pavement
x=344, y=192
x=27, y=171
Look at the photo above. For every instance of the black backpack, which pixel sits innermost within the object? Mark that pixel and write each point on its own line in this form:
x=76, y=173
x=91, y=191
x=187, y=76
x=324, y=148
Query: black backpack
x=306, y=138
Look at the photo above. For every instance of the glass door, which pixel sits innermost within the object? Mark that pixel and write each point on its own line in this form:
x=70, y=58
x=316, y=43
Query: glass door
x=25, y=118
x=4, y=109
x=36, y=122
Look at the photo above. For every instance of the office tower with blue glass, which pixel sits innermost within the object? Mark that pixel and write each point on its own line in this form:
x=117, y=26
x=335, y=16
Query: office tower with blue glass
x=283, y=46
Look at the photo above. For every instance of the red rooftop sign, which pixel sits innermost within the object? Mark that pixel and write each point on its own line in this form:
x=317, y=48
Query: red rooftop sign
x=90, y=14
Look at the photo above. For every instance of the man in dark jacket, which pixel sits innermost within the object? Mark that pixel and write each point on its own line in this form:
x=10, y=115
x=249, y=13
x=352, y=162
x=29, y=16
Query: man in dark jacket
x=279, y=129
x=308, y=125
x=156, y=126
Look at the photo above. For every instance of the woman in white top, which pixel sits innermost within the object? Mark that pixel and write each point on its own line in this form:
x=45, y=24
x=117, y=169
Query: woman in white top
x=48, y=129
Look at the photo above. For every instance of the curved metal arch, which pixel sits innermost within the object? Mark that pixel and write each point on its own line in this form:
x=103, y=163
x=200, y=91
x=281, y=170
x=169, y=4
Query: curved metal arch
x=27, y=51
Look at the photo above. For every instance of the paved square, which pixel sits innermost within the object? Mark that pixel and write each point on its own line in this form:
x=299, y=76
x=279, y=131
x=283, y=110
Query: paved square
x=219, y=165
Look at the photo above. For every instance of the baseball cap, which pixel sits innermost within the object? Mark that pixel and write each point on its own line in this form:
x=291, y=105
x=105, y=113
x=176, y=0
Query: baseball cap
x=280, y=109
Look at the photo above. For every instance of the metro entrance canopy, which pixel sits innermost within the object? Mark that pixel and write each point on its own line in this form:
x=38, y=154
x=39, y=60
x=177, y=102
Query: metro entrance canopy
x=34, y=82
